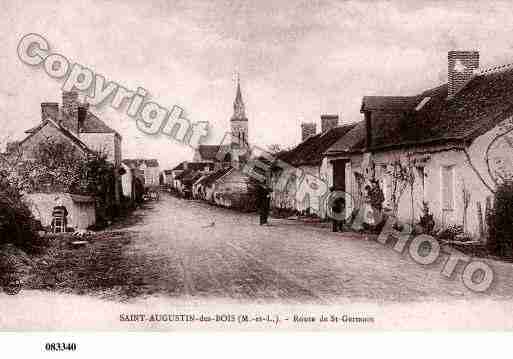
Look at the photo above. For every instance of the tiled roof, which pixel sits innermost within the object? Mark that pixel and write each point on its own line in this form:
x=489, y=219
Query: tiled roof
x=194, y=165
x=92, y=124
x=182, y=175
x=214, y=176
x=188, y=177
x=72, y=137
x=210, y=152
x=485, y=101
x=392, y=103
x=178, y=167
x=137, y=162
x=352, y=141
x=310, y=151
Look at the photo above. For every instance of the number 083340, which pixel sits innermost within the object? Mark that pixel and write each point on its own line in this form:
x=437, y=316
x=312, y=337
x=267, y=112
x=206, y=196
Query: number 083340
x=59, y=347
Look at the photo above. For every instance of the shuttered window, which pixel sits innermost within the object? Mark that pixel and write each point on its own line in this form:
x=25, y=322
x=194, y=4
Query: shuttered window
x=385, y=185
x=447, y=188
x=421, y=175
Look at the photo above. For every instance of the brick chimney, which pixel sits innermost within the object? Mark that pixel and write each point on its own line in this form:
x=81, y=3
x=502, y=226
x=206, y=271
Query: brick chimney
x=462, y=66
x=328, y=122
x=49, y=109
x=82, y=109
x=308, y=130
x=70, y=102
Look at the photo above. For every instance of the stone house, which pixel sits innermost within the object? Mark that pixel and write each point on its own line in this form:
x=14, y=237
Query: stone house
x=454, y=139
x=233, y=188
x=206, y=187
x=91, y=131
x=81, y=208
x=174, y=174
x=149, y=168
x=75, y=124
x=306, y=161
x=168, y=177
x=132, y=181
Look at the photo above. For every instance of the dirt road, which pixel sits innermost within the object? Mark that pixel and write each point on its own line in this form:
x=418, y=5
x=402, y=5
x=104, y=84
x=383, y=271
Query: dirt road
x=193, y=250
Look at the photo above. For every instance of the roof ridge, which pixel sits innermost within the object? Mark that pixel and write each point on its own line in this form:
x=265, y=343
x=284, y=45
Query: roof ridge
x=495, y=69
x=69, y=134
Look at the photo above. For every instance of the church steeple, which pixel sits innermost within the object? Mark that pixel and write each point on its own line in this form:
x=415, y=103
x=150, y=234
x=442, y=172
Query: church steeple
x=239, y=121
x=239, y=112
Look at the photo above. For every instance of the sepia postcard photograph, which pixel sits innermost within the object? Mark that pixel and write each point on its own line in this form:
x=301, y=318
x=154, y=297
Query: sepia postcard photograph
x=277, y=166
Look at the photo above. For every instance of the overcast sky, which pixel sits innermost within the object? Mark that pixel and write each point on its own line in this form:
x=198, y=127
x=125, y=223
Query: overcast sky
x=296, y=59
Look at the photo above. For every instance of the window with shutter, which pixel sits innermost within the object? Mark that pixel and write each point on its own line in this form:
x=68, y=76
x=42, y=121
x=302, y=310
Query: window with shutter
x=421, y=175
x=447, y=188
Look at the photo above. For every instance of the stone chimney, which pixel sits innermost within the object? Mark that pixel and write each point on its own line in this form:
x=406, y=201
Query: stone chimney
x=82, y=110
x=49, y=109
x=185, y=165
x=462, y=66
x=308, y=129
x=328, y=122
x=70, y=102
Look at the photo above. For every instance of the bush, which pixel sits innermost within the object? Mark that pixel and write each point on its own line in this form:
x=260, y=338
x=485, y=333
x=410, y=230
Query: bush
x=500, y=222
x=450, y=233
x=17, y=225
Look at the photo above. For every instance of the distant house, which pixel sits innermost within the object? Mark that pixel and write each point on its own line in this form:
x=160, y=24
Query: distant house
x=168, y=177
x=132, y=181
x=185, y=181
x=455, y=139
x=206, y=186
x=233, y=188
x=175, y=173
x=150, y=169
x=307, y=158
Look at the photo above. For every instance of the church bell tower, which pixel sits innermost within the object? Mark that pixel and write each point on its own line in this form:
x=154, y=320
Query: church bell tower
x=239, y=121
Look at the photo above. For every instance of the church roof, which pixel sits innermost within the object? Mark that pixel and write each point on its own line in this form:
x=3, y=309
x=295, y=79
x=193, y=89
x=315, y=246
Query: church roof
x=137, y=162
x=213, y=152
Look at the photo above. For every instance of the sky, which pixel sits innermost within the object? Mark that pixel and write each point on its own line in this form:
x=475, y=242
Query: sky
x=296, y=59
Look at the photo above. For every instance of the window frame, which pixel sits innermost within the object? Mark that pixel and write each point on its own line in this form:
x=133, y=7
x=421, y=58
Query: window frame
x=446, y=169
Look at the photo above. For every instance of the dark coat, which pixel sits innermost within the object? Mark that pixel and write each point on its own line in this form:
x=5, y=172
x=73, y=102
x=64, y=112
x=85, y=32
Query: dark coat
x=263, y=200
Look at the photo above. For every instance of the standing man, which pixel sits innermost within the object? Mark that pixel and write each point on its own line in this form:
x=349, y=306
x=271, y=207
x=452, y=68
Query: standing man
x=338, y=208
x=263, y=203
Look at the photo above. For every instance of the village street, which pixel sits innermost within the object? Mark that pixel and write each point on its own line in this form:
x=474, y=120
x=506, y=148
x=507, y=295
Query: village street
x=180, y=256
x=199, y=251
